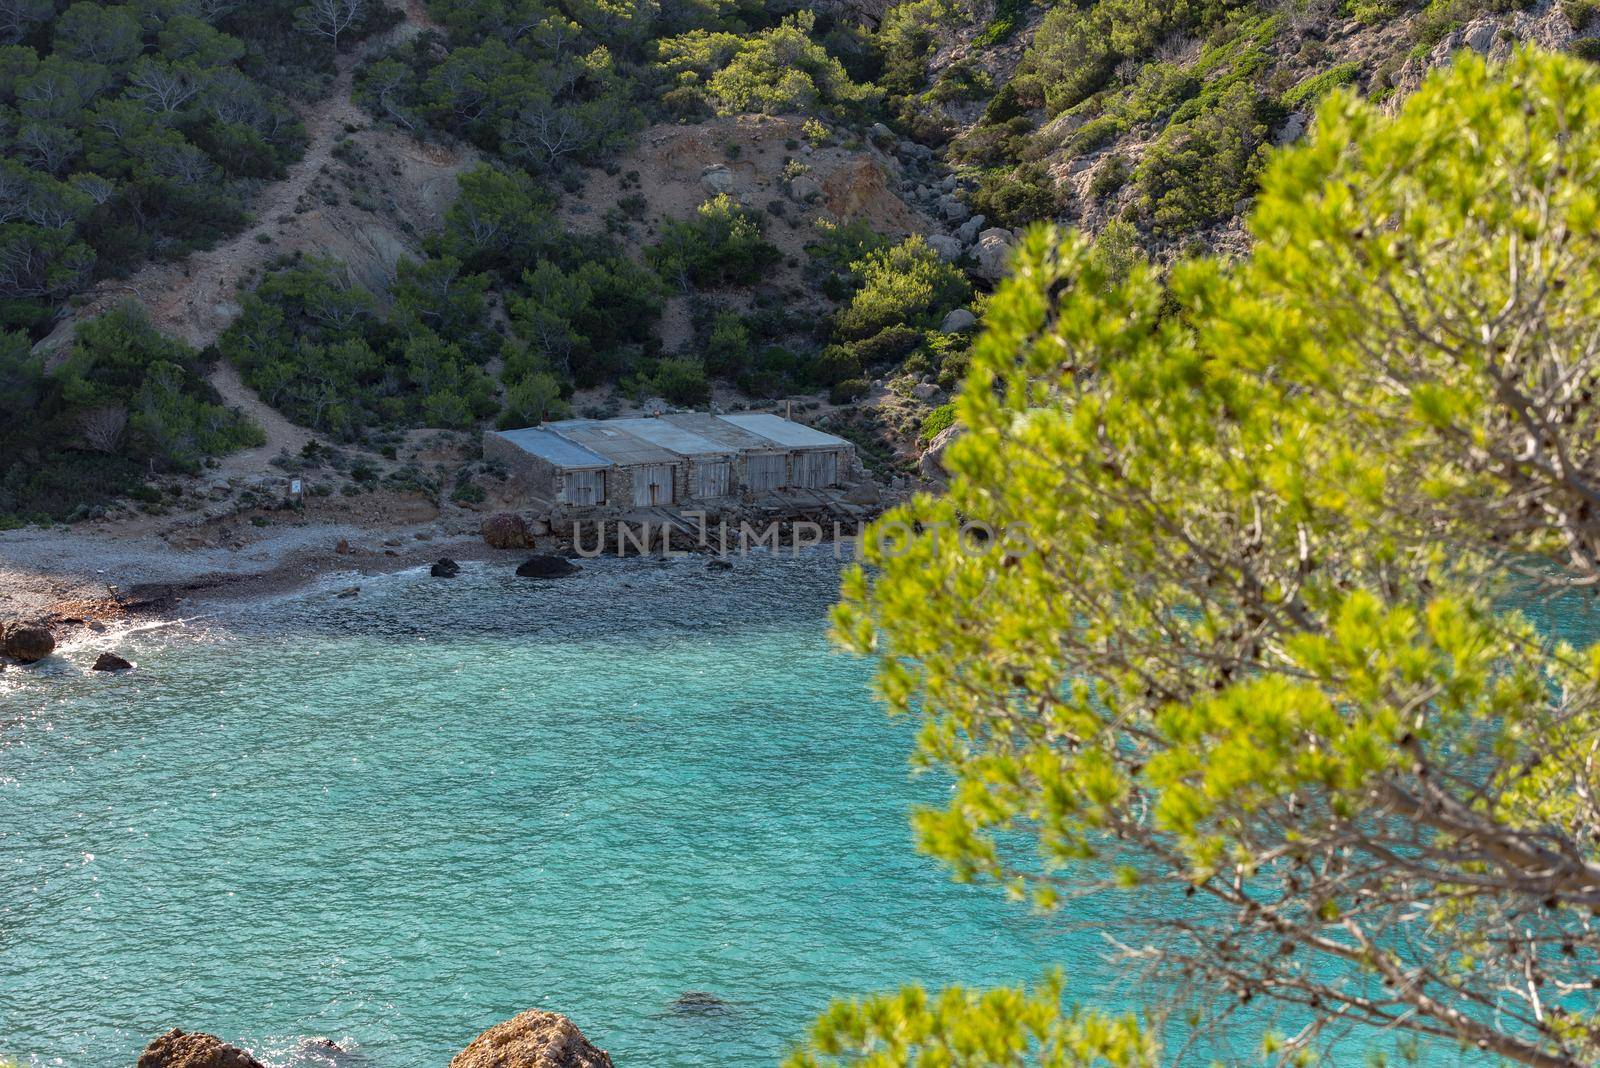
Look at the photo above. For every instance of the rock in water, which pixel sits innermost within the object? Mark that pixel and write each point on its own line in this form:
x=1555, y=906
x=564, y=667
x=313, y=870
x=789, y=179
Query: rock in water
x=547, y=567
x=321, y=1052
x=445, y=567
x=111, y=662
x=26, y=643
x=533, y=1039
x=717, y=563
x=175, y=1049
x=506, y=531
x=699, y=1003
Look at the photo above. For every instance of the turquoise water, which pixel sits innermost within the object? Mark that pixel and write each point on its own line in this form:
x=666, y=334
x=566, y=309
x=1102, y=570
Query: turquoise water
x=397, y=819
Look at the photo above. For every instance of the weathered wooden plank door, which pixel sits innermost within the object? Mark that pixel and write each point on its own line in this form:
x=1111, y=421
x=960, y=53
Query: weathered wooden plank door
x=818, y=469
x=710, y=479
x=767, y=471
x=652, y=484
x=584, y=487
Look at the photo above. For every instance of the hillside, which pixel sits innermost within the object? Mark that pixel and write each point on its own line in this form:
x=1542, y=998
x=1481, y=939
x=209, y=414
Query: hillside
x=494, y=211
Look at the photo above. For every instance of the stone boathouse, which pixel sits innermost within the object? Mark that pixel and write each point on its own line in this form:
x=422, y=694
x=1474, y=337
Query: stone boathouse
x=579, y=468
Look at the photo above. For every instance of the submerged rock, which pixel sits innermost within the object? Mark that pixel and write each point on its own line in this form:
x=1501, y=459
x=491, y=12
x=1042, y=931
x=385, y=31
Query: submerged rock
x=547, y=567
x=111, y=662
x=699, y=1003
x=717, y=563
x=196, y=1049
x=445, y=567
x=26, y=643
x=533, y=1039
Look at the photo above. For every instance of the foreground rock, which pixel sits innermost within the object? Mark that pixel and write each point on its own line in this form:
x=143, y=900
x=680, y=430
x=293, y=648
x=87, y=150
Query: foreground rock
x=25, y=643
x=111, y=662
x=506, y=531
x=445, y=567
x=175, y=1049
x=547, y=567
x=533, y=1039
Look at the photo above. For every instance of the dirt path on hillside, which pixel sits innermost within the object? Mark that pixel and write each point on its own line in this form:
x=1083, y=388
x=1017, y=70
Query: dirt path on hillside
x=282, y=435
x=195, y=298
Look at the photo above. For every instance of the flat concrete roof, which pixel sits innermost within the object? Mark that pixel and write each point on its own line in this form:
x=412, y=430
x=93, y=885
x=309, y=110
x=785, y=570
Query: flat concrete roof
x=785, y=432
x=718, y=430
x=554, y=449
x=618, y=446
x=672, y=436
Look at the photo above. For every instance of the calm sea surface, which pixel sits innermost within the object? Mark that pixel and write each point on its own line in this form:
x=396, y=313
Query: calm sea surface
x=399, y=818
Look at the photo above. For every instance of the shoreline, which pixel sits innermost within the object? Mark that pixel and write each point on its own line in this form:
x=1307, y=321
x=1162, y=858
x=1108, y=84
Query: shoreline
x=75, y=579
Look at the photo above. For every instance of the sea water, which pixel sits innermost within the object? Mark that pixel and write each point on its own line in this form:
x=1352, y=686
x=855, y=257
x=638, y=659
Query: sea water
x=397, y=818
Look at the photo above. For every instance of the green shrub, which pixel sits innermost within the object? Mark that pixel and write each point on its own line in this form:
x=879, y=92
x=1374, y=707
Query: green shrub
x=849, y=390
x=1196, y=174
x=1017, y=197
x=728, y=348
x=1111, y=176
x=835, y=364
x=936, y=421
x=776, y=71
x=889, y=345
x=467, y=492
x=1310, y=90
x=907, y=284
x=681, y=380
x=1580, y=13
x=723, y=244
x=532, y=399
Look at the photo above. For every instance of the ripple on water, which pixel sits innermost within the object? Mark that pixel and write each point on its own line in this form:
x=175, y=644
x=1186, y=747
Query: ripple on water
x=650, y=797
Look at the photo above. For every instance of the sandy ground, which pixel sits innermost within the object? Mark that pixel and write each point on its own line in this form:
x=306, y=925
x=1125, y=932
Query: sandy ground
x=87, y=574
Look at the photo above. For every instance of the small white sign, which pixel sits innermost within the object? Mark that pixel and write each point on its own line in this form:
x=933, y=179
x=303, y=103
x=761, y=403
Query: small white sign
x=294, y=486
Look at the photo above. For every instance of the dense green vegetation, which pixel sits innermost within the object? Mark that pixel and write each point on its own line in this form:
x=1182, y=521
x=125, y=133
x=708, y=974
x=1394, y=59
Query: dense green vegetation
x=313, y=345
x=132, y=131
x=127, y=403
x=1243, y=645
x=140, y=130
x=781, y=70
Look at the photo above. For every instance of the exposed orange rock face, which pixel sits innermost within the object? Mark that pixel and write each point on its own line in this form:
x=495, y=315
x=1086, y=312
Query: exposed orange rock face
x=194, y=1049
x=533, y=1039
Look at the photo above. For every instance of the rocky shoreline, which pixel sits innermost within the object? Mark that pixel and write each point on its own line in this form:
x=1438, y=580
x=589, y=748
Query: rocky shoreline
x=532, y=1039
x=56, y=587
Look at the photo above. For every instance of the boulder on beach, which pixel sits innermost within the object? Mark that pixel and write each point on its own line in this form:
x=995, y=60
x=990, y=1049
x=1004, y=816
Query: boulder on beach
x=533, y=1039
x=864, y=494
x=195, y=1049
x=111, y=662
x=545, y=566
x=506, y=531
x=25, y=642
x=444, y=567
